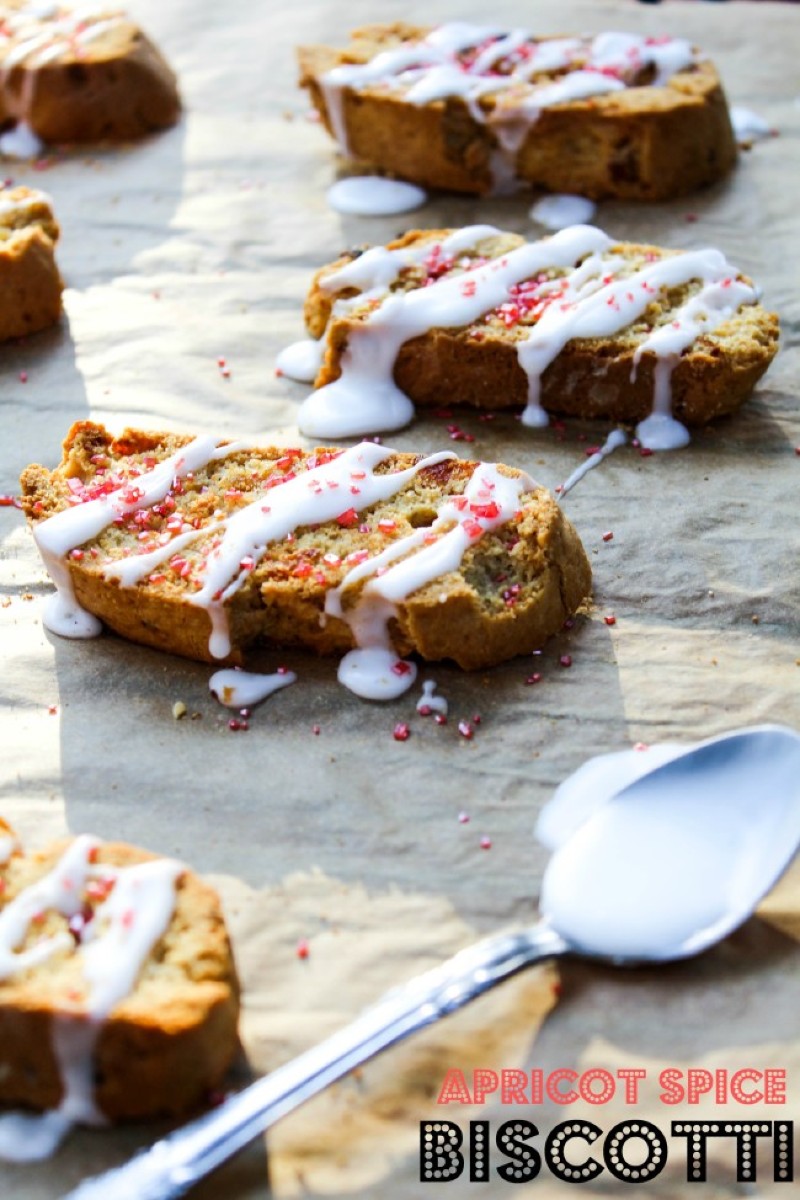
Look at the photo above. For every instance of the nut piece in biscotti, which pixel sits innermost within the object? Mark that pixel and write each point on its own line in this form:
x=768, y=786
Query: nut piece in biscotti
x=573, y=324
x=471, y=108
x=202, y=548
x=117, y=963
x=30, y=285
x=77, y=76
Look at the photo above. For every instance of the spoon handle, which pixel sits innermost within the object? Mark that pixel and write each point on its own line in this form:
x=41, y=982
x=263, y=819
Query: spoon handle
x=172, y=1166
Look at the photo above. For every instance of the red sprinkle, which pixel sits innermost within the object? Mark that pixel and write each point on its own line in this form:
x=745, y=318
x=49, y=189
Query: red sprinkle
x=302, y=948
x=52, y=709
x=15, y=502
x=486, y=843
x=463, y=818
x=608, y=537
x=566, y=660
x=645, y=452
x=440, y=719
x=535, y=678
x=348, y=517
x=610, y=619
x=315, y=729
x=691, y=218
x=400, y=667
x=401, y=732
x=23, y=376
x=466, y=730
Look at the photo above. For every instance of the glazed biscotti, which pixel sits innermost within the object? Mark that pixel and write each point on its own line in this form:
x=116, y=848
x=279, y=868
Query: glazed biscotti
x=81, y=73
x=118, y=994
x=30, y=284
x=574, y=324
x=473, y=108
x=202, y=547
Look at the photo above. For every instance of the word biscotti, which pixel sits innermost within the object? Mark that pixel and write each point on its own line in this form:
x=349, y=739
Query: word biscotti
x=30, y=284
x=472, y=108
x=201, y=547
x=118, y=994
x=81, y=73
x=574, y=324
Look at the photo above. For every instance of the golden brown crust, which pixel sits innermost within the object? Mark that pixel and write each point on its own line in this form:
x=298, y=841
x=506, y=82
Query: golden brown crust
x=166, y=1046
x=591, y=377
x=480, y=622
x=118, y=87
x=30, y=284
x=643, y=143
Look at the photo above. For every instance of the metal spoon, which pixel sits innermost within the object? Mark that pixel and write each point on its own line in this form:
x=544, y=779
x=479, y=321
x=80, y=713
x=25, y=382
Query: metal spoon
x=660, y=869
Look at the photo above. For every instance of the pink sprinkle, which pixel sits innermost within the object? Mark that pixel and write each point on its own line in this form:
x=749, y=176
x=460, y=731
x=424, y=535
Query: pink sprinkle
x=608, y=537
x=691, y=218
x=281, y=670
x=466, y=730
x=440, y=719
x=535, y=678
x=315, y=729
x=23, y=376
x=641, y=746
x=302, y=948
x=463, y=818
x=566, y=660
x=401, y=732
x=220, y=362
x=610, y=619
x=486, y=843
x=476, y=718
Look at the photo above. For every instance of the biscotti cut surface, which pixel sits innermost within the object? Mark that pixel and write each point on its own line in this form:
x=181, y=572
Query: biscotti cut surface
x=30, y=284
x=73, y=75
x=117, y=963
x=574, y=324
x=473, y=108
x=201, y=548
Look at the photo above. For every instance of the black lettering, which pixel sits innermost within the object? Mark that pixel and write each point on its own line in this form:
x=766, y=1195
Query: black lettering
x=440, y=1159
x=479, y=1151
x=526, y=1162
x=614, y=1151
x=556, y=1158
x=697, y=1134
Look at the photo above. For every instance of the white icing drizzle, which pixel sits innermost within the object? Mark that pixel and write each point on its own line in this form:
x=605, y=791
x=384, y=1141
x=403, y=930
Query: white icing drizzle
x=431, y=69
x=241, y=689
x=301, y=360
x=314, y=496
x=20, y=142
x=430, y=702
x=372, y=670
x=113, y=947
x=560, y=211
x=373, y=196
x=614, y=440
x=43, y=33
x=748, y=126
x=592, y=300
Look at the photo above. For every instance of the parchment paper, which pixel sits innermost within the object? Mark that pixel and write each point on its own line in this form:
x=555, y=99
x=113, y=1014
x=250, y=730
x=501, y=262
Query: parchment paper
x=200, y=244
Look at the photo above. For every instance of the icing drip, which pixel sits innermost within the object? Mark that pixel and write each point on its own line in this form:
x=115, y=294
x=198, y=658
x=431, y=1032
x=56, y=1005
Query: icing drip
x=478, y=62
x=429, y=702
x=241, y=689
x=558, y=212
x=372, y=196
x=314, y=496
x=112, y=945
x=614, y=440
x=301, y=360
x=372, y=669
x=748, y=126
x=593, y=298
x=20, y=142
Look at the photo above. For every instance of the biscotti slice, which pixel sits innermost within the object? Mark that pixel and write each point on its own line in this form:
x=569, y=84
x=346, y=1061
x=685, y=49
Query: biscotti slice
x=574, y=323
x=81, y=73
x=118, y=993
x=473, y=108
x=201, y=547
x=30, y=284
